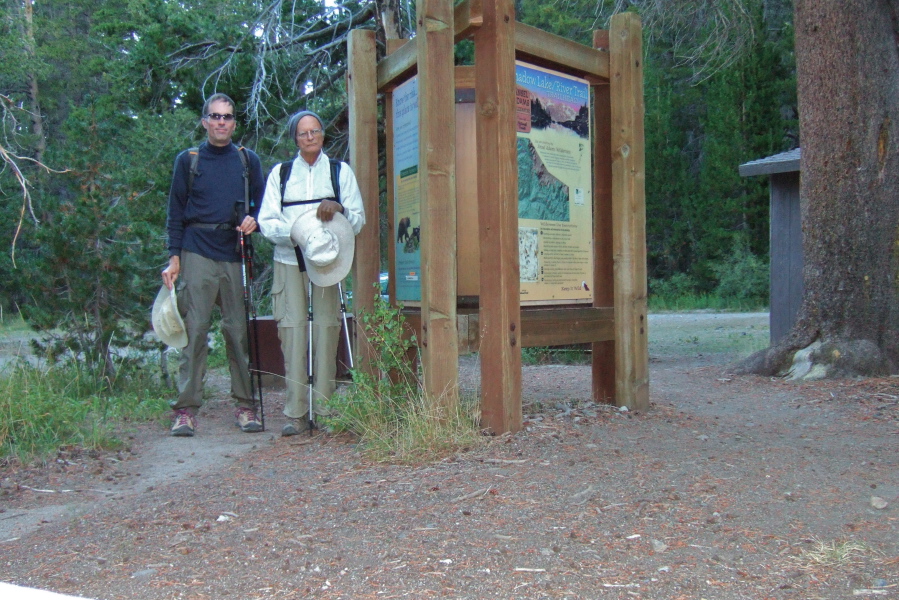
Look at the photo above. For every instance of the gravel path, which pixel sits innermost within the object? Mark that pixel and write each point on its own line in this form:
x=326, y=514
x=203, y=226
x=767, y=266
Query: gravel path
x=729, y=487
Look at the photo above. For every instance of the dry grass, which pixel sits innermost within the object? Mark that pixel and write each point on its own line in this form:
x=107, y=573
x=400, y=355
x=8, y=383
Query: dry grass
x=833, y=554
x=429, y=429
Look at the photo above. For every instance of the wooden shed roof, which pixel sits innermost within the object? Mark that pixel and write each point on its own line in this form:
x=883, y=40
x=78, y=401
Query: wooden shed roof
x=785, y=162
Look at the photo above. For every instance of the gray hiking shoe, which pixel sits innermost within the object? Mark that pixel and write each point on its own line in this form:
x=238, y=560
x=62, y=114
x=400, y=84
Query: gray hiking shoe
x=247, y=420
x=183, y=424
x=295, y=426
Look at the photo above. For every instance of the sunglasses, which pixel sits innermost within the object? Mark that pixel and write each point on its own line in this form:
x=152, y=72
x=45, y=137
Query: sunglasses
x=218, y=117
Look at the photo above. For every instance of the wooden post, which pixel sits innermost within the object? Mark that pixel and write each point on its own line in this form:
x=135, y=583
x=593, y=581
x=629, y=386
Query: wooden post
x=362, y=94
x=603, y=354
x=500, y=311
x=628, y=212
x=437, y=174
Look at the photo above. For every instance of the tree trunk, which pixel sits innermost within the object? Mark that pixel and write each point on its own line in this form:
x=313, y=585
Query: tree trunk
x=389, y=12
x=37, y=120
x=847, y=70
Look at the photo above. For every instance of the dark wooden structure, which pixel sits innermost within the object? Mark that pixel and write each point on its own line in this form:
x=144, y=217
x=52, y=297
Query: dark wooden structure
x=786, y=286
x=271, y=359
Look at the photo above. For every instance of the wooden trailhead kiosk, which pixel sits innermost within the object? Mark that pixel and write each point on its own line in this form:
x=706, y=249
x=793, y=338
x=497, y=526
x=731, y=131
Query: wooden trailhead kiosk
x=516, y=198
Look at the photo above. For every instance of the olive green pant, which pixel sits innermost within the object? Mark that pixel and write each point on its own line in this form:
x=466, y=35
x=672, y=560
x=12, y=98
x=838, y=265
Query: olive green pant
x=289, y=290
x=203, y=284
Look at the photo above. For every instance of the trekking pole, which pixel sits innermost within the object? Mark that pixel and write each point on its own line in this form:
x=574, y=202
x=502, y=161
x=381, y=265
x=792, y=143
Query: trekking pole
x=257, y=360
x=309, y=378
x=346, y=329
x=246, y=263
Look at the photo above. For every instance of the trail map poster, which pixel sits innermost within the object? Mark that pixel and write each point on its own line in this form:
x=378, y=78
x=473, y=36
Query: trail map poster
x=407, y=204
x=555, y=187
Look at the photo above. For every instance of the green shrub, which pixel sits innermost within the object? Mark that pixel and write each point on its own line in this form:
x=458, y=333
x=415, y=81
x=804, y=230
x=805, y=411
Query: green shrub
x=676, y=286
x=742, y=284
x=742, y=276
x=389, y=411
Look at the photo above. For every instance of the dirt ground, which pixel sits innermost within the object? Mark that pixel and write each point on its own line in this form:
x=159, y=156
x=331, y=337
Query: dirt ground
x=727, y=488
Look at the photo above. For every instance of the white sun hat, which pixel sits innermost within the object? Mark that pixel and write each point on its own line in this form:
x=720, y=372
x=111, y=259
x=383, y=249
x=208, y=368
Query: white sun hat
x=167, y=321
x=327, y=247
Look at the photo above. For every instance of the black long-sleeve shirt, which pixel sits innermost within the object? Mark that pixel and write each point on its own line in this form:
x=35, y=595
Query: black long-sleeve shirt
x=217, y=197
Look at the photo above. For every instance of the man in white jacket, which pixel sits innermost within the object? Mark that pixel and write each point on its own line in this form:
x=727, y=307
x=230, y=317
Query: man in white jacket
x=308, y=195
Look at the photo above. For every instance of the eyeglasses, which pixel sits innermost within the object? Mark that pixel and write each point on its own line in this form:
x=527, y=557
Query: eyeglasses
x=312, y=133
x=218, y=117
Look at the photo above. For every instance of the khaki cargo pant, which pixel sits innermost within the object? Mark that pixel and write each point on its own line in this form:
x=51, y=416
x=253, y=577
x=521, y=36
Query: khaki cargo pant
x=289, y=303
x=203, y=284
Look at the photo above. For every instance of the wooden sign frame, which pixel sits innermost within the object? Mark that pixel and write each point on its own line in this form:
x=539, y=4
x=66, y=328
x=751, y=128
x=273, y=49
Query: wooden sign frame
x=616, y=324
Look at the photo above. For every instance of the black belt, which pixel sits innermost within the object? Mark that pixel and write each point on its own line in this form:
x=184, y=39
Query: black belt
x=225, y=226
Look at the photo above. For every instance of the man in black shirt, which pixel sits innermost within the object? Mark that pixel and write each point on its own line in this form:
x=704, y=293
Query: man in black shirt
x=206, y=211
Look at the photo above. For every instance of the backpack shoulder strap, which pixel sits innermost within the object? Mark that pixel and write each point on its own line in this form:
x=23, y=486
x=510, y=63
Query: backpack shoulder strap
x=194, y=172
x=242, y=152
x=286, y=168
x=335, y=178
x=243, y=159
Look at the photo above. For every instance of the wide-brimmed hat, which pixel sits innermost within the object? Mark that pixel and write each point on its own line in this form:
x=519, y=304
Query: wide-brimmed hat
x=327, y=247
x=167, y=321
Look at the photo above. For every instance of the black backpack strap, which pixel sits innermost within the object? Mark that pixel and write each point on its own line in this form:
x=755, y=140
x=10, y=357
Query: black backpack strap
x=335, y=178
x=193, y=172
x=286, y=168
x=242, y=152
x=300, y=202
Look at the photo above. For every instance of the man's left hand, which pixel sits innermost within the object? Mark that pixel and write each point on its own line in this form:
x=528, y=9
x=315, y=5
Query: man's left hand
x=248, y=225
x=327, y=209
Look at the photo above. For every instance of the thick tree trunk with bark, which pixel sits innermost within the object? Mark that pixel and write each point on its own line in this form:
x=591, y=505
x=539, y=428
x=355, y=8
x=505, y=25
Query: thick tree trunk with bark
x=847, y=68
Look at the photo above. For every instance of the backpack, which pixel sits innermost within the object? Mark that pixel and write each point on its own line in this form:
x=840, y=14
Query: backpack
x=195, y=172
x=286, y=168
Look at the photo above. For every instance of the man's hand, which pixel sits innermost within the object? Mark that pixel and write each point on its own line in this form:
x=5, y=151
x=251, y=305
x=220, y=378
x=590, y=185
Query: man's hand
x=248, y=226
x=327, y=209
x=170, y=274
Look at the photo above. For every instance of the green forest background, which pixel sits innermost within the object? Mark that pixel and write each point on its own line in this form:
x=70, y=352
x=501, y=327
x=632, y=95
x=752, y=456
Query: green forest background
x=120, y=88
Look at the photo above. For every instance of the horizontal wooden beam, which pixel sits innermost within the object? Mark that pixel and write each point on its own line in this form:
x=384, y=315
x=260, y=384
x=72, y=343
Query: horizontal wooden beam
x=546, y=49
x=562, y=326
x=403, y=63
x=397, y=67
x=467, y=17
x=465, y=79
x=539, y=327
x=531, y=45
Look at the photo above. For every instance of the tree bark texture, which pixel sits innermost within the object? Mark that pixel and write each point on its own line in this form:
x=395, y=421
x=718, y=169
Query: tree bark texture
x=847, y=69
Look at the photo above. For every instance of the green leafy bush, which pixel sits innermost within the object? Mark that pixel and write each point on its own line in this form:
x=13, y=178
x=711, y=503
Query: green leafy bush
x=676, y=286
x=741, y=284
x=390, y=412
x=742, y=276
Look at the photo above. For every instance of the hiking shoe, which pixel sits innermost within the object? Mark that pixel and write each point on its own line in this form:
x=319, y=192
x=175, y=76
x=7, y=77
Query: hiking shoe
x=247, y=420
x=295, y=426
x=183, y=424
